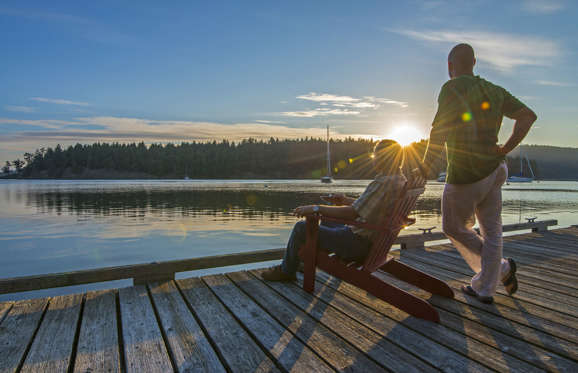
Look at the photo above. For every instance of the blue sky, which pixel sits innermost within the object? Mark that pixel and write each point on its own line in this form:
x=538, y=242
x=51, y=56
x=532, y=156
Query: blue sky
x=146, y=71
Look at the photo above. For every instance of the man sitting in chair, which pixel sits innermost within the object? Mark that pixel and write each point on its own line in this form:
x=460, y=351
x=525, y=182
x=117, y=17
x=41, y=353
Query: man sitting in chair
x=348, y=242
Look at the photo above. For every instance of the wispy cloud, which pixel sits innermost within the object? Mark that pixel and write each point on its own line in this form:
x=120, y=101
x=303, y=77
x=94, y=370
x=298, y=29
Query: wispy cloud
x=269, y=121
x=59, y=101
x=19, y=109
x=543, y=6
x=344, y=103
x=319, y=112
x=124, y=129
x=501, y=51
x=555, y=84
x=326, y=97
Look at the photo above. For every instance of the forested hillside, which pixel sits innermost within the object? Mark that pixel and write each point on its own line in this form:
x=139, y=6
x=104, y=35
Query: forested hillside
x=280, y=159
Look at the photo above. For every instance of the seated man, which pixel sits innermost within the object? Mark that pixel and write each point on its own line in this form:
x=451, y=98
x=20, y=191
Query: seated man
x=348, y=242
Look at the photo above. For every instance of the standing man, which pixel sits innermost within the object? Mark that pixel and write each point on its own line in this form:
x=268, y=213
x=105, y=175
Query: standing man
x=468, y=120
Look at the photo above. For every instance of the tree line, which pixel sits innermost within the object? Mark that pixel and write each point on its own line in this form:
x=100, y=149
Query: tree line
x=279, y=159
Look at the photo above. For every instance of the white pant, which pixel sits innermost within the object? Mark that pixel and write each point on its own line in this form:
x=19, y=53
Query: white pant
x=461, y=204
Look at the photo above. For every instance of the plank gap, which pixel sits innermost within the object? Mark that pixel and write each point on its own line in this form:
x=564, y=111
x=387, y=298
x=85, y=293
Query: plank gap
x=119, y=332
x=163, y=334
x=320, y=322
x=204, y=329
x=249, y=332
x=29, y=346
x=76, y=335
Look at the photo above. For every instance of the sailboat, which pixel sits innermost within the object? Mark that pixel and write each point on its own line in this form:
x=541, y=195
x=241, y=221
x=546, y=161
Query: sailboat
x=521, y=178
x=327, y=179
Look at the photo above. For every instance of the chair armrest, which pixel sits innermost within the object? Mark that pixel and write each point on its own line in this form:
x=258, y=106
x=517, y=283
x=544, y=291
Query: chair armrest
x=355, y=223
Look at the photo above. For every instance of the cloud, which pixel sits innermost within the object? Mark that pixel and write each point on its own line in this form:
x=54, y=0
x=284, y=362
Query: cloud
x=555, y=84
x=323, y=97
x=337, y=101
x=19, y=109
x=387, y=101
x=319, y=112
x=44, y=123
x=59, y=101
x=542, y=6
x=503, y=52
x=125, y=129
x=270, y=121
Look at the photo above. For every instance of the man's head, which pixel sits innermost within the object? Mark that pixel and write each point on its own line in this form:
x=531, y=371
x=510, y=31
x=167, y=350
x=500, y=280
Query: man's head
x=461, y=60
x=388, y=157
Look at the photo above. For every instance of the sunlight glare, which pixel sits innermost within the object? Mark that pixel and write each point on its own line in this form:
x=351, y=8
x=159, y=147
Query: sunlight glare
x=405, y=134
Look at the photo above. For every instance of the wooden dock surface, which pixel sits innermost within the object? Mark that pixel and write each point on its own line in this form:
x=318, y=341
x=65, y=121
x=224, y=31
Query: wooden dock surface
x=238, y=323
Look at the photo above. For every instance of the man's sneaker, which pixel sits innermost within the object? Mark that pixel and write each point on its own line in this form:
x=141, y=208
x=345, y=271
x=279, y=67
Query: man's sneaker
x=277, y=274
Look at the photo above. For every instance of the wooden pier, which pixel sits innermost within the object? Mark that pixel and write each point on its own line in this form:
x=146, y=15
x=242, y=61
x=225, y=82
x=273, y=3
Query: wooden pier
x=238, y=323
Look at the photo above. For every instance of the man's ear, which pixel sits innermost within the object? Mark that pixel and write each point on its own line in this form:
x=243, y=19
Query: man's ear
x=474, y=61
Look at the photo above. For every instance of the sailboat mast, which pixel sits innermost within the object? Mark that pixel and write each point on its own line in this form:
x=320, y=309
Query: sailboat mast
x=328, y=154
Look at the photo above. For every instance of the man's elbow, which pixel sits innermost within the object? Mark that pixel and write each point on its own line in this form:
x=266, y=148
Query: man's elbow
x=527, y=115
x=531, y=116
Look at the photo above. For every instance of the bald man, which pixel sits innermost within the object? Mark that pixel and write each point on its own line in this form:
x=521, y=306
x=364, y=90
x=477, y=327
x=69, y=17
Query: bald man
x=467, y=122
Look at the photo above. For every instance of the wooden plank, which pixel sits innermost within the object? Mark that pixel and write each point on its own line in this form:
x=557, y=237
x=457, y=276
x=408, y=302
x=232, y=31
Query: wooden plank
x=98, y=347
x=52, y=348
x=429, y=339
x=456, y=280
x=545, y=246
x=334, y=344
x=531, y=345
x=140, y=271
x=548, y=241
x=427, y=349
x=501, y=321
x=235, y=345
x=144, y=347
x=4, y=308
x=448, y=253
x=190, y=348
x=530, y=251
x=17, y=330
x=289, y=351
x=557, y=301
x=524, y=276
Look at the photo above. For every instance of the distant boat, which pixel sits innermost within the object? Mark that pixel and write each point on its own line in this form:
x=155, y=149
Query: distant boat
x=442, y=177
x=327, y=179
x=521, y=178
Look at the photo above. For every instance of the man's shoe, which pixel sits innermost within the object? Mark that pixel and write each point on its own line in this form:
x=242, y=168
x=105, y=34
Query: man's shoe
x=467, y=289
x=277, y=274
x=510, y=281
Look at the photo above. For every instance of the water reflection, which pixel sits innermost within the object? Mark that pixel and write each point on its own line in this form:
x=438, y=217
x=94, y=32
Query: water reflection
x=225, y=205
x=52, y=226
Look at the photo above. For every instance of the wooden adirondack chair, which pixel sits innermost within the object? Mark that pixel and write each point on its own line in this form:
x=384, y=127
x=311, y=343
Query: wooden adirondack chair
x=362, y=274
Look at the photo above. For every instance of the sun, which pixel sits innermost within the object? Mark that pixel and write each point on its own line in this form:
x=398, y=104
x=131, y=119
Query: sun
x=405, y=134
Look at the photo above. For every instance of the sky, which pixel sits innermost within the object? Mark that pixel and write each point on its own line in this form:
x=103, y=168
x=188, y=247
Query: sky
x=109, y=71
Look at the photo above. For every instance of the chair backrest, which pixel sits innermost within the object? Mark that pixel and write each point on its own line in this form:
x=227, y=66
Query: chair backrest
x=393, y=223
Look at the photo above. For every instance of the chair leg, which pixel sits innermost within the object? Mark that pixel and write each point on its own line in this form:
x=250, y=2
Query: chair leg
x=308, y=253
x=418, y=278
x=391, y=294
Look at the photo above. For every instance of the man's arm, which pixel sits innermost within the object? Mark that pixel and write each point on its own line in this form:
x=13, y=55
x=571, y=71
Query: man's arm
x=340, y=212
x=524, y=118
x=443, y=120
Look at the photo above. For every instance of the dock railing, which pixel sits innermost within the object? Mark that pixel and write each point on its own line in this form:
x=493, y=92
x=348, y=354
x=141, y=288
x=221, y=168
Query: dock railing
x=164, y=271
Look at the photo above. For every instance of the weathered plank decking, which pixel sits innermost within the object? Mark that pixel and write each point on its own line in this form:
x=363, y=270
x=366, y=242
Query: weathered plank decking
x=237, y=322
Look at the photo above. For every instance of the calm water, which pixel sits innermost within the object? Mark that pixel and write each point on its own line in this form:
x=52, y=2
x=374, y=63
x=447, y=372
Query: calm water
x=54, y=226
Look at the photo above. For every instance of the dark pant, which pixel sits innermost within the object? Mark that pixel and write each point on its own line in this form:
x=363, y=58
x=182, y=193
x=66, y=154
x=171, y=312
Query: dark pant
x=336, y=238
